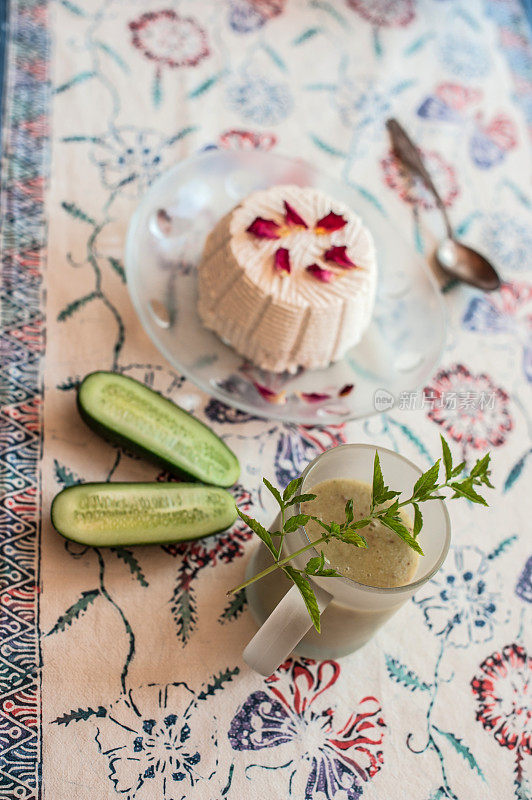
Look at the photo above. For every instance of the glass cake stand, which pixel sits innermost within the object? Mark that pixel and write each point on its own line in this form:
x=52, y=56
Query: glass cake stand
x=164, y=244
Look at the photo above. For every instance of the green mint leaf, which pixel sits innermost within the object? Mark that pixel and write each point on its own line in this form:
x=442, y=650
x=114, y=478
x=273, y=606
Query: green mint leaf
x=295, y=522
x=349, y=511
x=300, y=498
x=486, y=481
x=323, y=524
x=307, y=594
x=388, y=494
x=361, y=523
x=261, y=532
x=395, y=524
x=447, y=458
x=481, y=466
x=314, y=564
x=392, y=509
x=418, y=520
x=350, y=536
x=465, y=489
x=274, y=491
x=426, y=483
x=458, y=469
x=378, y=482
x=292, y=488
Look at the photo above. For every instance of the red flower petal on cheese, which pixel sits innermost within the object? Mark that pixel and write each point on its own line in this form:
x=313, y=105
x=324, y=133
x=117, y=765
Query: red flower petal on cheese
x=265, y=228
x=332, y=222
x=323, y=275
x=292, y=217
x=314, y=397
x=269, y=394
x=345, y=390
x=338, y=255
x=282, y=260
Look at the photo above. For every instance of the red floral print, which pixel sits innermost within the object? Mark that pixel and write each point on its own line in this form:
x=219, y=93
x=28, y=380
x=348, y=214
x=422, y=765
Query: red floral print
x=470, y=408
x=413, y=190
x=168, y=39
x=388, y=13
x=502, y=690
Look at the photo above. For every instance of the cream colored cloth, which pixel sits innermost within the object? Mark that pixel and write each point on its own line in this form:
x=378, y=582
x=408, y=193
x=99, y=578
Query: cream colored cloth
x=144, y=692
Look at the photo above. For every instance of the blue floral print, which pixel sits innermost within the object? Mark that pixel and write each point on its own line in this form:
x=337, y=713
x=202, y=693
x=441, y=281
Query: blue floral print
x=461, y=603
x=329, y=756
x=260, y=100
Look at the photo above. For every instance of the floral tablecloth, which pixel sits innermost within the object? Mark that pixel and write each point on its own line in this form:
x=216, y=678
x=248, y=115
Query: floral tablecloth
x=121, y=670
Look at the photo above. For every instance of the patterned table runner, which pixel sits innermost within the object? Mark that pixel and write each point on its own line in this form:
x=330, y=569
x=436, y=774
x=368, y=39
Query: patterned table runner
x=121, y=669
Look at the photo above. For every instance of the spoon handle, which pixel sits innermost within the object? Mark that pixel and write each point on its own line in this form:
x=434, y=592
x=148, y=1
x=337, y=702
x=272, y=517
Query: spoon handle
x=407, y=152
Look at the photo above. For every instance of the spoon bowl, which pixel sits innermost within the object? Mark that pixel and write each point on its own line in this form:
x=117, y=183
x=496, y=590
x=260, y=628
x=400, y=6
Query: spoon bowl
x=462, y=262
x=455, y=259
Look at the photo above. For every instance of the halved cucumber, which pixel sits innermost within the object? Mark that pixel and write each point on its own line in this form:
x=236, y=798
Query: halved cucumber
x=118, y=514
x=126, y=412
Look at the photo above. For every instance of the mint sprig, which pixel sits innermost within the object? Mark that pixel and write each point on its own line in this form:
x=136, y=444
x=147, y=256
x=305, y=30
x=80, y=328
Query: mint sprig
x=384, y=507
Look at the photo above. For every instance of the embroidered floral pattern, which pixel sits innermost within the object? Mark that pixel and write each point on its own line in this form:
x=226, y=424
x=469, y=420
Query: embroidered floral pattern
x=502, y=692
x=523, y=587
x=460, y=604
x=222, y=548
x=167, y=751
x=168, y=39
x=249, y=15
x=509, y=311
x=413, y=190
x=154, y=740
x=490, y=139
x=217, y=411
x=297, y=445
x=130, y=158
x=470, y=408
x=462, y=54
x=508, y=240
x=386, y=13
x=260, y=100
x=334, y=752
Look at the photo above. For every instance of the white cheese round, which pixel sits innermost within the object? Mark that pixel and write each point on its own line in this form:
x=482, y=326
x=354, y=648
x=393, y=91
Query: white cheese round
x=285, y=320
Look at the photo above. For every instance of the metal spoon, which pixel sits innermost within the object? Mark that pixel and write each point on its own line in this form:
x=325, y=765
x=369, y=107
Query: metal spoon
x=453, y=258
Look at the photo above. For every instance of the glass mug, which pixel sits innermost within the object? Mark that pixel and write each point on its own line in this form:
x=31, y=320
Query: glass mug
x=350, y=612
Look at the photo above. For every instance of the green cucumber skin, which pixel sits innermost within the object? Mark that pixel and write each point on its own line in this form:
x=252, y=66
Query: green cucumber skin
x=173, y=467
x=101, y=538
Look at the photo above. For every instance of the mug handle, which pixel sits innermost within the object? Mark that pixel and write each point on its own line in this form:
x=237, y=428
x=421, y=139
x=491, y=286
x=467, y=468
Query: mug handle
x=281, y=632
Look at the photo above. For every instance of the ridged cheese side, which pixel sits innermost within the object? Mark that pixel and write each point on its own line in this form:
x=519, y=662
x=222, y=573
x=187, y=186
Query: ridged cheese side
x=279, y=321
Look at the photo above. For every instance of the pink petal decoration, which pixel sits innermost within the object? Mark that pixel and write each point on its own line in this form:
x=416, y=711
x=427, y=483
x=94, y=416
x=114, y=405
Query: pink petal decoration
x=345, y=390
x=269, y=394
x=282, y=260
x=292, y=217
x=265, y=228
x=323, y=275
x=338, y=255
x=314, y=397
x=332, y=222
